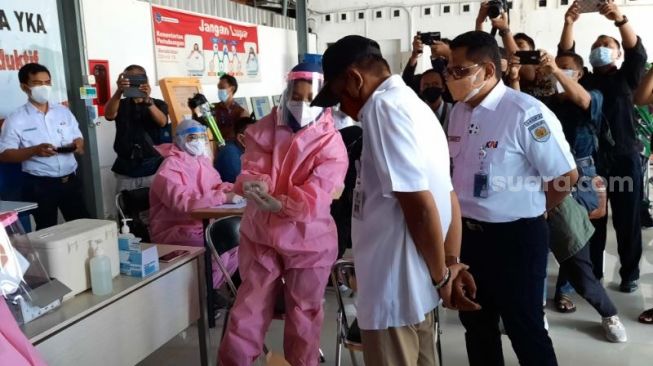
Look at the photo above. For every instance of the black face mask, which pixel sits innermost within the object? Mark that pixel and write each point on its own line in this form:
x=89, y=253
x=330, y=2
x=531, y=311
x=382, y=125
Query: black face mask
x=432, y=94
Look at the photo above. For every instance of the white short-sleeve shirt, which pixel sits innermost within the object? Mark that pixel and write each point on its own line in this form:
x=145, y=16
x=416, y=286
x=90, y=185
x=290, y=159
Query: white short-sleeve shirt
x=404, y=150
x=518, y=142
x=27, y=127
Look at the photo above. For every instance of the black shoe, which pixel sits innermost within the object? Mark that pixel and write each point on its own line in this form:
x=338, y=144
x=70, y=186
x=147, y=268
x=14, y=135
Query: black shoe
x=628, y=286
x=354, y=332
x=220, y=301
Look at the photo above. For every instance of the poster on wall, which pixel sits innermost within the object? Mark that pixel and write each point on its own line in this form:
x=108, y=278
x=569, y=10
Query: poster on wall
x=188, y=44
x=29, y=32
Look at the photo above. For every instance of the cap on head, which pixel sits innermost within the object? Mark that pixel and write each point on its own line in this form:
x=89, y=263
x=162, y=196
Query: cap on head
x=337, y=58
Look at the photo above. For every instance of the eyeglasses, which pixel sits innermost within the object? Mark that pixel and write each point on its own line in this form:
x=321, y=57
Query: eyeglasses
x=459, y=72
x=194, y=137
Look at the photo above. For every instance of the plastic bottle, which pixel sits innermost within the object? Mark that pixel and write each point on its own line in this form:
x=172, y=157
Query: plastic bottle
x=101, y=279
x=125, y=239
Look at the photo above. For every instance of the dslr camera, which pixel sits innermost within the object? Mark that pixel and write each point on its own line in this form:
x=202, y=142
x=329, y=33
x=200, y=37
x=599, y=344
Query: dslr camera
x=496, y=8
x=428, y=38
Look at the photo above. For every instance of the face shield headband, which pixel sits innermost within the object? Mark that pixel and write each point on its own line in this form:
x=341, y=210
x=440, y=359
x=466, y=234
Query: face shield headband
x=294, y=109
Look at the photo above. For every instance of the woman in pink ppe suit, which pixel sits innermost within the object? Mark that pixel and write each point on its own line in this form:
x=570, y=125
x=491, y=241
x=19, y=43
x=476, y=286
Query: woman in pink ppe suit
x=15, y=348
x=294, y=164
x=186, y=180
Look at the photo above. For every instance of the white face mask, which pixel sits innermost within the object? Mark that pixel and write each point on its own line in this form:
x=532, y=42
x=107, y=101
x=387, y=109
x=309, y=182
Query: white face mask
x=474, y=92
x=303, y=112
x=571, y=74
x=41, y=93
x=195, y=148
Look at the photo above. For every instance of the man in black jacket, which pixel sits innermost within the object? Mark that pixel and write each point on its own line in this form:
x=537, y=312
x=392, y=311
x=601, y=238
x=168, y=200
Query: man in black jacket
x=619, y=163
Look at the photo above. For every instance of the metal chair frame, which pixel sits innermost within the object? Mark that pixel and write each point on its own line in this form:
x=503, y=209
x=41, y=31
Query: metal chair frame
x=343, y=270
x=121, y=207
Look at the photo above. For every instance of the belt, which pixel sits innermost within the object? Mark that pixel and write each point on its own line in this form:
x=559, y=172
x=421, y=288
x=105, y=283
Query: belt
x=64, y=179
x=585, y=162
x=475, y=225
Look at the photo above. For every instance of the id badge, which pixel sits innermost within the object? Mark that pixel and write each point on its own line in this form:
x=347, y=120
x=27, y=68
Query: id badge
x=359, y=196
x=481, y=184
x=359, y=200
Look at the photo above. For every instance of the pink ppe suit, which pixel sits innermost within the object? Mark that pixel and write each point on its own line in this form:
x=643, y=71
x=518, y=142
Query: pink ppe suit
x=184, y=183
x=15, y=348
x=303, y=170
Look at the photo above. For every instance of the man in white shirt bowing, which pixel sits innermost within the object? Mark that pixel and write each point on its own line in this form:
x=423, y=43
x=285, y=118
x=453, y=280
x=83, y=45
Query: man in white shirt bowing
x=404, y=208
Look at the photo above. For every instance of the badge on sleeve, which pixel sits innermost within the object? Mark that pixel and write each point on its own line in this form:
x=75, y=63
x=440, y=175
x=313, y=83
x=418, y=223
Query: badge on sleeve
x=540, y=131
x=538, y=128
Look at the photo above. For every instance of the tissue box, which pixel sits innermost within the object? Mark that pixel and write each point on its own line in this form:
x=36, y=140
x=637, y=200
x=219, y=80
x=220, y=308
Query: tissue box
x=140, y=260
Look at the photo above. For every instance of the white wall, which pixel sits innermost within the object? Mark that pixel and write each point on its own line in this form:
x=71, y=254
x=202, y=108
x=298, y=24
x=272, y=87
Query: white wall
x=543, y=24
x=120, y=31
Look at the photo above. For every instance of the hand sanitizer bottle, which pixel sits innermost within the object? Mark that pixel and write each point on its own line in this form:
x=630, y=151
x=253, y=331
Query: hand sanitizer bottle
x=125, y=239
x=101, y=280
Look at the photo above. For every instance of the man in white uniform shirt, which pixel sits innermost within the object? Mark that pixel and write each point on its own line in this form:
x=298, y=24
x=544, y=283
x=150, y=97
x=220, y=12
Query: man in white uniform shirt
x=511, y=163
x=404, y=206
x=44, y=137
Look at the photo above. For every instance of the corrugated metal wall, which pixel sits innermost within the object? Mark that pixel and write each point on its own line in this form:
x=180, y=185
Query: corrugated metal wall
x=230, y=10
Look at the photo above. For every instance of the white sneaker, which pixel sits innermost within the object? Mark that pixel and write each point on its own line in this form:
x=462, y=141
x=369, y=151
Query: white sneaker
x=614, y=330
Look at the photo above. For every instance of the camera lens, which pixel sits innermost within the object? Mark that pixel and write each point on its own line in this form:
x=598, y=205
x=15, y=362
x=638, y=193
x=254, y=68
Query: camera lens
x=494, y=11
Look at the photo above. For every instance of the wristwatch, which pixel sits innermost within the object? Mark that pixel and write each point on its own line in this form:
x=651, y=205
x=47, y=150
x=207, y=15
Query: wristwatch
x=504, y=32
x=444, y=282
x=450, y=260
x=622, y=22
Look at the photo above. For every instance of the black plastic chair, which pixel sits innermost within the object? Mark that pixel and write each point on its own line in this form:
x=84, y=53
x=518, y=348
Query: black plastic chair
x=131, y=205
x=223, y=235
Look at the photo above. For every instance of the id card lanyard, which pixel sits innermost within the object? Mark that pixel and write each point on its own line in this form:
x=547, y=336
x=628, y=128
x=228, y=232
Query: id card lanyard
x=359, y=196
x=482, y=177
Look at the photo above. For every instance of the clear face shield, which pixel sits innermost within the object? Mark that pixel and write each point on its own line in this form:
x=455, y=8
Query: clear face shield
x=193, y=140
x=295, y=106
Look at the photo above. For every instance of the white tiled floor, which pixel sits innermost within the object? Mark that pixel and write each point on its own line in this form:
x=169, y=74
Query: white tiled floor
x=578, y=337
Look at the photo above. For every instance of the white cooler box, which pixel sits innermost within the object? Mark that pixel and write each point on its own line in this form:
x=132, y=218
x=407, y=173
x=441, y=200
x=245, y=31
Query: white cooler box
x=65, y=250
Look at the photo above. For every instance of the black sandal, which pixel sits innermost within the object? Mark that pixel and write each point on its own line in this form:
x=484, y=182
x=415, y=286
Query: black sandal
x=564, y=304
x=646, y=317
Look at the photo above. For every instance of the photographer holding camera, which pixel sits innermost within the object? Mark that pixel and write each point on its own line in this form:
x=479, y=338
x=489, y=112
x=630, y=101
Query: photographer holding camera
x=139, y=119
x=621, y=160
x=497, y=12
x=580, y=112
x=440, y=54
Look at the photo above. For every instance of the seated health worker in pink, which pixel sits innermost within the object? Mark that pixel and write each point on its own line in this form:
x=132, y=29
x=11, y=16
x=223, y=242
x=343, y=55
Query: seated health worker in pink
x=186, y=180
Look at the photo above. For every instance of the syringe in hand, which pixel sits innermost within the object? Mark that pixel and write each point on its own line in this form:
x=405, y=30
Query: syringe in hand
x=202, y=108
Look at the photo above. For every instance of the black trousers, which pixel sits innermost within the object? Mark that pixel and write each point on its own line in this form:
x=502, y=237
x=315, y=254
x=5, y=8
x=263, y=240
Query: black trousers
x=625, y=195
x=508, y=262
x=50, y=194
x=578, y=271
